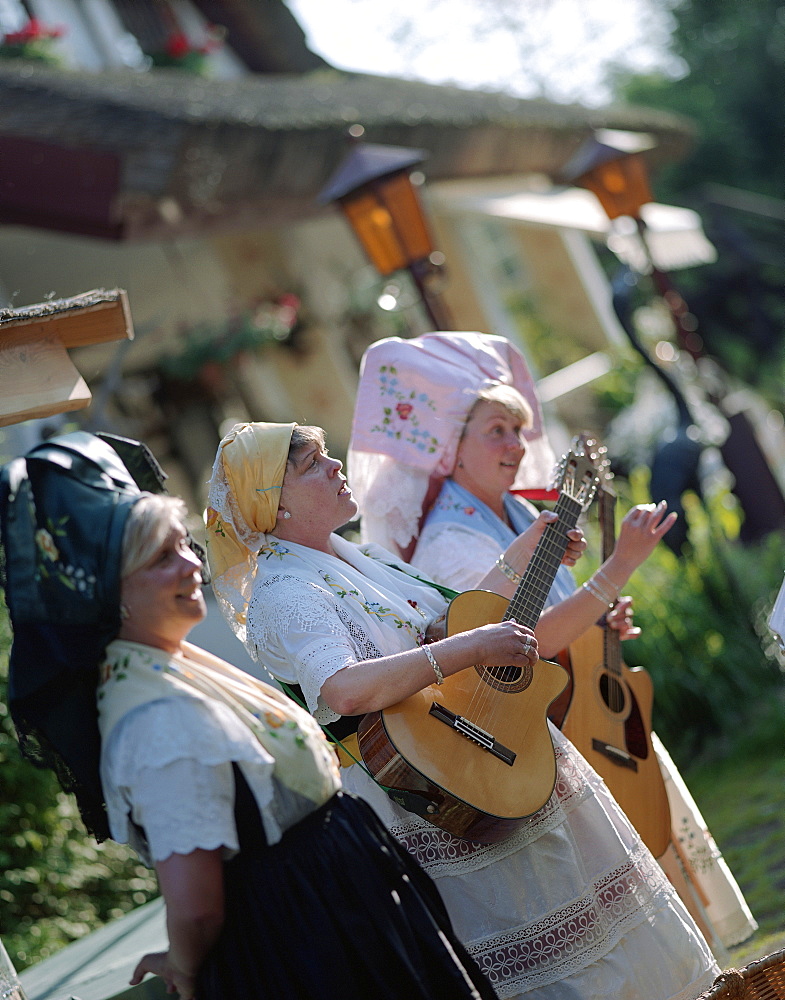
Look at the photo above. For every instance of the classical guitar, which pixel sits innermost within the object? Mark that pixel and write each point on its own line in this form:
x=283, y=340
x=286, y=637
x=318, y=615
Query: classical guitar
x=475, y=752
x=609, y=717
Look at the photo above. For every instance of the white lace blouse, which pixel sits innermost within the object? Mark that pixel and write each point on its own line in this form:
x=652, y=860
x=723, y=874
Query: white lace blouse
x=312, y=614
x=166, y=771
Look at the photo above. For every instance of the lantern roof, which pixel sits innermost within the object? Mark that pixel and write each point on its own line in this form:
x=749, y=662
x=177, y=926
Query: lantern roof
x=603, y=146
x=368, y=162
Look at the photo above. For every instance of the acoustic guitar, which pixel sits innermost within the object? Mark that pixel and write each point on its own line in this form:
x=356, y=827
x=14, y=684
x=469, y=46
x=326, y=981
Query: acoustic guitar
x=474, y=755
x=609, y=716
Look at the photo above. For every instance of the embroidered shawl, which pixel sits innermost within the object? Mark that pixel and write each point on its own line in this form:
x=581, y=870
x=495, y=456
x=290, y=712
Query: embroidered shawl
x=308, y=606
x=134, y=674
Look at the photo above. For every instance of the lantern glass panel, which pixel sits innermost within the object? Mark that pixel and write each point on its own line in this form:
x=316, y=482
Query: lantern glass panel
x=622, y=186
x=373, y=226
x=403, y=203
x=388, y=220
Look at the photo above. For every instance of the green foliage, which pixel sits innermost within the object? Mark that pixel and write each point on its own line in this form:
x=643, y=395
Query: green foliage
x=221, y=344
x=733, y=89
x=56, y=883
x=740, y=800
x=549, y=351
x=615, y=391
x=733, y=53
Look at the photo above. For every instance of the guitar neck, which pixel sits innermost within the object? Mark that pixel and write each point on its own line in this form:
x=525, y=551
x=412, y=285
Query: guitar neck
x=532, y=592
x=610, y=639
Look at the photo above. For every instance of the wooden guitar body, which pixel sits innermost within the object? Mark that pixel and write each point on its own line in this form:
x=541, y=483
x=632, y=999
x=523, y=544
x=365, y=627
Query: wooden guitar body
x=476, y=793
x=608, y=718
x=609, y=722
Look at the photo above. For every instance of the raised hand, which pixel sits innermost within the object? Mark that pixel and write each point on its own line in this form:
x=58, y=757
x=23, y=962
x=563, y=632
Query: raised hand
x=641, y=530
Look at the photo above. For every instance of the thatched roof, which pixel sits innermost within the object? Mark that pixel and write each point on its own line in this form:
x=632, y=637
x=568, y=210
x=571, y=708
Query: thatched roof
x=161, y=153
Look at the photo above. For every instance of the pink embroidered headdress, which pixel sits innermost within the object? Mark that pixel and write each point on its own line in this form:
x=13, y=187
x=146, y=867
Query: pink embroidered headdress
x=412, y=402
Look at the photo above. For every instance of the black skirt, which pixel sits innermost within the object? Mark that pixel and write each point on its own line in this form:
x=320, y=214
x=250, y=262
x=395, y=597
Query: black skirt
x=336, y=910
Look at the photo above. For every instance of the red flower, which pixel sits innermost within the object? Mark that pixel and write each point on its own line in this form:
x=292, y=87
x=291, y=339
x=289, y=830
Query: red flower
x=403, y=410
x=31, y=32
x=177, y=45
x=468, y=510
x=289, y=306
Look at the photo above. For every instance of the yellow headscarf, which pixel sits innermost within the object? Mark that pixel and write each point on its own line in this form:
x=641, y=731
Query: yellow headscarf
x=243, y=497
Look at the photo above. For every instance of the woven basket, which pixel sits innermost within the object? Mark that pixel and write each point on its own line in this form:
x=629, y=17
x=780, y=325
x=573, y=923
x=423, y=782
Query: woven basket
x=761, y=980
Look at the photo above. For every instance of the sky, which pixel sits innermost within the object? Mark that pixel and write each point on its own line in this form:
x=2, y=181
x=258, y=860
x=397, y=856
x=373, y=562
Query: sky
x=553, y=48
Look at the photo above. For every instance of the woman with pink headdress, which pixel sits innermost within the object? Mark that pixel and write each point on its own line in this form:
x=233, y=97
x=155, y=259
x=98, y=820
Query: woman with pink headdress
x=452, y=504
x=455, y=505
x=570, y=904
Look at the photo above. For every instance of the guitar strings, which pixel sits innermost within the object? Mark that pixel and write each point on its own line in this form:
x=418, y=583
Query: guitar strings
x=611, y=641
x=550, y=550
x=525, y=608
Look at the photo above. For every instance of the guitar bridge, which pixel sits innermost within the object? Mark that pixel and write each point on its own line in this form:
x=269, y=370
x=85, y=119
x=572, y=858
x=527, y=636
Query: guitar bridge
x=473, y=732
x=620, y=757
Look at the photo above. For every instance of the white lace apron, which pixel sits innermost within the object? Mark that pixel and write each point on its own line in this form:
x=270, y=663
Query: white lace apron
x=570, y=906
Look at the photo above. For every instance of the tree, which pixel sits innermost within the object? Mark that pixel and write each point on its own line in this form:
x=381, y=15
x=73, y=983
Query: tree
x=732, y=85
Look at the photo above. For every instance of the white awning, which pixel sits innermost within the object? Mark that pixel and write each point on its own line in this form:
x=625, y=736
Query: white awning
x=675, y=235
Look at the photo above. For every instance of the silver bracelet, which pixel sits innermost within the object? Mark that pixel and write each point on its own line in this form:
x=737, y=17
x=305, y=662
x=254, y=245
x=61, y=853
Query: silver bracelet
x=598, y=592
x=436, y=668
x=609, y=583
x=508, y=571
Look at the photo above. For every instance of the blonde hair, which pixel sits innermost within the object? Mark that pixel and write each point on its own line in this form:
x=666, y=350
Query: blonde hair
x=509, y=398
x=149, y=522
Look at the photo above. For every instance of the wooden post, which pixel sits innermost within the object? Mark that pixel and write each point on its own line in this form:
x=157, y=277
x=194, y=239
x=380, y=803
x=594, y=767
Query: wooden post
x=37, y=377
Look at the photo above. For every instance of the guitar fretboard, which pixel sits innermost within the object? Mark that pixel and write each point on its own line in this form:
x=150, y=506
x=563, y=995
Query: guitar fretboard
x=532, y=592
x=610, y=637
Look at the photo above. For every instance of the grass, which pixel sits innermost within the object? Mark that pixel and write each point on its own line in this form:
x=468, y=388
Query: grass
x=739, y=785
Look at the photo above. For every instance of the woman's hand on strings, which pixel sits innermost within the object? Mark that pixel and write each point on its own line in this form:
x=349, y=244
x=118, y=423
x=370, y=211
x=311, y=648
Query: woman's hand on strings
x=619, y=618
x=506, y=644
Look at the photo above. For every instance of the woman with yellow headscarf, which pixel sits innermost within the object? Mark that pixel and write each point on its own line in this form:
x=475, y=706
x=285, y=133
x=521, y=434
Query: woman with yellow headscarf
x=570, y=904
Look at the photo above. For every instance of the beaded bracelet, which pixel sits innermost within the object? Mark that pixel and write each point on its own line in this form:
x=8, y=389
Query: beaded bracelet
x=508, y=571
x=436, y=668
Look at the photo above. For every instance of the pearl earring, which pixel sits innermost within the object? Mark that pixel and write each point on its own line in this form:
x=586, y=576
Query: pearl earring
x=125, y=614
x=286, y=515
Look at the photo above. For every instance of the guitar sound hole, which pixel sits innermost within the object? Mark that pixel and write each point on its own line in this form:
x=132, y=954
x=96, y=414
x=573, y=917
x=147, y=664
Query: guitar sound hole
x=612, y=693
x=509, y=679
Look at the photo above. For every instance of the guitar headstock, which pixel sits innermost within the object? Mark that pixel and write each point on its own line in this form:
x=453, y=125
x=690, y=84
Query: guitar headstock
x=599, y=453
x=577, y=473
